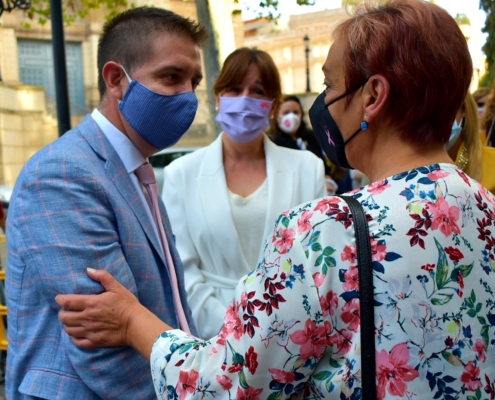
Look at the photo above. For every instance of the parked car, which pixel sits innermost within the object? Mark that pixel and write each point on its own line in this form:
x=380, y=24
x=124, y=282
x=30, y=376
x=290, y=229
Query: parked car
x=5, y=194
x=161, y=159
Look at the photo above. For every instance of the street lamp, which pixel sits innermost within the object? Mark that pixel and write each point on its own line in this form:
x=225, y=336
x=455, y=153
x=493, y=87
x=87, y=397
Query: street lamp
x=306, y=45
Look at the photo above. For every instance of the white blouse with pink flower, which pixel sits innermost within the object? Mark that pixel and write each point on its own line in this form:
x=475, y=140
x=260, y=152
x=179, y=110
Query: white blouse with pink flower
x=293, y=329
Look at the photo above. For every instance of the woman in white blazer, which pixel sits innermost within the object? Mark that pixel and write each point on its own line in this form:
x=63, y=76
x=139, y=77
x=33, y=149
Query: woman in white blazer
x=224, y=199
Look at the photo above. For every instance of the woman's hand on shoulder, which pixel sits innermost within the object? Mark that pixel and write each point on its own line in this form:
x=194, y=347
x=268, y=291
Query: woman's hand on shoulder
x=100, y=320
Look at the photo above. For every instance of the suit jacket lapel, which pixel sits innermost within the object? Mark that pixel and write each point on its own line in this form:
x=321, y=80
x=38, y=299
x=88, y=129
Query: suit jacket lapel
x=216, y=206
x=120, y=178
x=280, y=184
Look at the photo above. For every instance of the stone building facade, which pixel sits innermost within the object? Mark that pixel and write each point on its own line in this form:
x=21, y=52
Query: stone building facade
x=284, y=42
x=27, y=109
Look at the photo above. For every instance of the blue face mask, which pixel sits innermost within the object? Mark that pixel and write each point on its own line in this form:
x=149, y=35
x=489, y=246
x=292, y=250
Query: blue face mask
x=159, y=119
x=456, y=131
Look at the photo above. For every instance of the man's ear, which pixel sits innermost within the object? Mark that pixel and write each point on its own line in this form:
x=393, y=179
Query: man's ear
x=376, y=96
x=115, y=80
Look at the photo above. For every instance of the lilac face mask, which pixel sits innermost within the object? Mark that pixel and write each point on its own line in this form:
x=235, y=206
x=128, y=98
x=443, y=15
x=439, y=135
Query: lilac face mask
x=243, y=118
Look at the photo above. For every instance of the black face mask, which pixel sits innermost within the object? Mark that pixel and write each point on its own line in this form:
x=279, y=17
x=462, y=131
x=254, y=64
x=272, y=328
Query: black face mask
x=328, y=133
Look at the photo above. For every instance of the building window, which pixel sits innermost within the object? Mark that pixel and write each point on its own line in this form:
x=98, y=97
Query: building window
x=36, y=69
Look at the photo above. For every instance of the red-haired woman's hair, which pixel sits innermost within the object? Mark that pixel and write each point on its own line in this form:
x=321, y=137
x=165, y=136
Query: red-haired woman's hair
x=420, y=50
x=236, y=66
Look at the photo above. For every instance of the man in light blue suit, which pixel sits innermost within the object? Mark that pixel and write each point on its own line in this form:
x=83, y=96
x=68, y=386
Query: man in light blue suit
x=78, y=204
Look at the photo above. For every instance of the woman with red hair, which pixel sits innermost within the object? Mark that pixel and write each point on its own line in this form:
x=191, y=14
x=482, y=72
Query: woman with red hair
x=395, y=77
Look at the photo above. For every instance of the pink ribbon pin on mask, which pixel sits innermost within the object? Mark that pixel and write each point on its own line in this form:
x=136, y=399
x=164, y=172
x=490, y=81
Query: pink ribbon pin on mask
x=330, y=141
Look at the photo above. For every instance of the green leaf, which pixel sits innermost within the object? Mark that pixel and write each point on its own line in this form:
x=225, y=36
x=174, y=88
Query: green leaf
x=238, y=359
x=478, y=393
x=466, y=269
x=478, y=307
x=242, y=380
x=330, y=262
x=468, y=302
x=285, y=222
x=452, y=359
x=314, y=237
x=484, y=335
x=319, y=260
x=439, y=301
x=186, y=348
x=334, y=363
x=471, y=398
x=324, y=269
x=481, y=320
x=471, y=313
x=322, y=376
x=473, y=297
x=442, y=267
x=275, y=396
x=329, y=386
x=328, y=251
x=316, y=247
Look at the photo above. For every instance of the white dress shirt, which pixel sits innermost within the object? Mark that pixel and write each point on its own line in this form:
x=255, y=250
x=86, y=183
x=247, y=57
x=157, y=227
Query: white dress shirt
x=130, y=156
x=249, y=215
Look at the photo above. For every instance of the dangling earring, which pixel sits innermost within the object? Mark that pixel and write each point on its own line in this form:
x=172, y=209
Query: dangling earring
x=216, y=108
x=364, y=124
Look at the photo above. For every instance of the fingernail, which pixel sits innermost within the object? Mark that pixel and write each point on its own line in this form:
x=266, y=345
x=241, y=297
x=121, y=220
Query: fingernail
x=91, y=270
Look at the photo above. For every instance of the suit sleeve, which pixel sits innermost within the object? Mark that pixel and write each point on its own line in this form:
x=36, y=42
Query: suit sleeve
x=207, y=310
x=61, y=224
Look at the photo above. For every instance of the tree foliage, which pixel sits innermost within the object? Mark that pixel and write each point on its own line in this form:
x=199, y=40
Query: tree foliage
x=462, y=19
x=489, y=47
x=269, y=8
x=73, y=9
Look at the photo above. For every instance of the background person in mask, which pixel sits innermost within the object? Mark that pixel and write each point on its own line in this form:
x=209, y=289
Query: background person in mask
x=289, y=129
x=79, y=202
x=293, y=329
x=224, y=199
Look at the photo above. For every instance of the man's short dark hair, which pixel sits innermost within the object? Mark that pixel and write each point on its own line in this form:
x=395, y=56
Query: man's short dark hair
x=128, y=38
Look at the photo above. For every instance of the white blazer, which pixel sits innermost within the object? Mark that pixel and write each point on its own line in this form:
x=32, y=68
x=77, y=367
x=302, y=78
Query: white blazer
x=196, y=197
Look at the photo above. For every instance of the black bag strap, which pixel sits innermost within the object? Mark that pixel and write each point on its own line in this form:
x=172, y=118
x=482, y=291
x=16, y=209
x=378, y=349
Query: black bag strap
x=367, y=302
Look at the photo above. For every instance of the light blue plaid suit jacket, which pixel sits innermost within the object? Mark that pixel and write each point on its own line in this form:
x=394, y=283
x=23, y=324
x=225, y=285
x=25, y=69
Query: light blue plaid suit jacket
x=74, y=206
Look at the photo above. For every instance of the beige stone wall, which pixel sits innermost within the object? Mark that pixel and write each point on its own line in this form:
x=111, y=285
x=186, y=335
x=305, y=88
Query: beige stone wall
x=25, y=127
x=284, y=42
x=9, y=66
x=89, y=51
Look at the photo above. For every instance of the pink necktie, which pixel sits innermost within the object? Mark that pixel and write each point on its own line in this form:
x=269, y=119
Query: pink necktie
x=146, y=176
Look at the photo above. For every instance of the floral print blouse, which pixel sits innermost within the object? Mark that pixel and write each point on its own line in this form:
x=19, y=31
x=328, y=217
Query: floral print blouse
x=293, y=329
